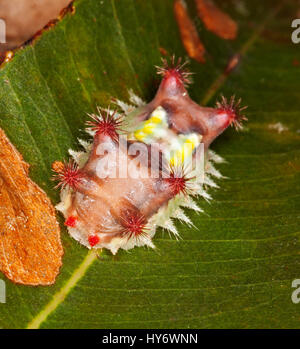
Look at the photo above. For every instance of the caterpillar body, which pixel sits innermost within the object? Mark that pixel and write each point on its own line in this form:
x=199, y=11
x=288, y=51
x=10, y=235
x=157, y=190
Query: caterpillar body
x=144, y=165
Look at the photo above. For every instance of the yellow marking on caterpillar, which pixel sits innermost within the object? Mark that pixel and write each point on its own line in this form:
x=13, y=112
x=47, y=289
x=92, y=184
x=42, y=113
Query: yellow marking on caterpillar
x=139, y=135
x=154, y=127
x=149, y=128
x=156, y=119
x=187, y=146
x=181, y=146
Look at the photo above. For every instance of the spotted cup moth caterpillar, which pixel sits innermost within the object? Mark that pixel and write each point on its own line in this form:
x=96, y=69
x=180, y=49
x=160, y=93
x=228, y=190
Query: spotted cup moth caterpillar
x=110, y=195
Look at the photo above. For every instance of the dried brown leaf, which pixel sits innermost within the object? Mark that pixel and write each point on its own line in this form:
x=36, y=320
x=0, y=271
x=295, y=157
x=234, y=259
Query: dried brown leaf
x=216, y=20
x=30, y=246
x=188, y=32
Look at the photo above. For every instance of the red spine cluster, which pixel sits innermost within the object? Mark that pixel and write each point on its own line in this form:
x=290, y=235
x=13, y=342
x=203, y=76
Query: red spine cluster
x=68, y=175
x=178, y=181
x=134, y=225
x=233, y=109
x=105, y=124
x=176, y=70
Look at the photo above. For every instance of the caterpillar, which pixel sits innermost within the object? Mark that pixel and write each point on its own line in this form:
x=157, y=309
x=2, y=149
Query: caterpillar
x=144, y=164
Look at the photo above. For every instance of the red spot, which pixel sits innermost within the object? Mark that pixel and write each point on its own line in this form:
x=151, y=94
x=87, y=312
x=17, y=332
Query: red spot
x=134, y=224
x=93, y=240
x=71, y=221
x=69, y=175
x=107, y=124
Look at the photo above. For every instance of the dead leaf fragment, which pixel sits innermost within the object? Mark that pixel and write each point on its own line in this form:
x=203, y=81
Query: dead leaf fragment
x=23, y=18
x=232, y=63
x=216, y=20
x=188, y=32
x=30, y=246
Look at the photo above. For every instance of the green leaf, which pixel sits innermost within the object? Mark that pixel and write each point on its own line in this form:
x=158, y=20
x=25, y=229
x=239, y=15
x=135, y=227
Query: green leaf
x=236, y=268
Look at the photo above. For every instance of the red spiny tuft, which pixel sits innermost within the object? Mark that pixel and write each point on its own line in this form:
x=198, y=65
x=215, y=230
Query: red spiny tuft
x=178, y=181
x=134, y=225
x=233, y=109
x=68, y=175
x=71, y=221
x=93, y=240
x=107, y=124
x=176, y=69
